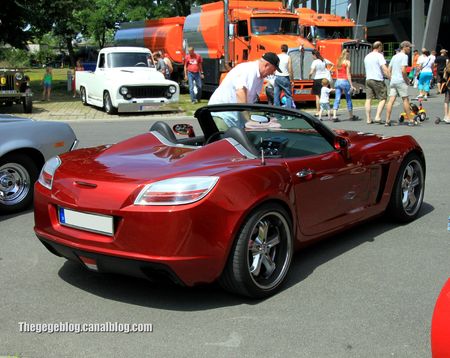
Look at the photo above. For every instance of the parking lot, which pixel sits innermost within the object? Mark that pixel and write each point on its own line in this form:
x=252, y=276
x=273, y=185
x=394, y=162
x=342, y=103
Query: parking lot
x=369, y=292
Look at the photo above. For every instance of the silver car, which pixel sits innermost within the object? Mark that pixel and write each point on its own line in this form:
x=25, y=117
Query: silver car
x=25, y=145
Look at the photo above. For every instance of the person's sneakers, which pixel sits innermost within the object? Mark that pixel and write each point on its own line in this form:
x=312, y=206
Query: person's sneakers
x=194, y=101
x=335, y=120
x=354, y=118
x=387, y=124
x=425, y=98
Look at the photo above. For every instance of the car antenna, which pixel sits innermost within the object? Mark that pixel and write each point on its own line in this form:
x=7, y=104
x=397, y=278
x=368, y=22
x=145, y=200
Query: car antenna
x=263, y=160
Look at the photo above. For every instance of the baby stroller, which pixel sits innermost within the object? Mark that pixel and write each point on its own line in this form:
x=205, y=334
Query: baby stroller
x=418, y=113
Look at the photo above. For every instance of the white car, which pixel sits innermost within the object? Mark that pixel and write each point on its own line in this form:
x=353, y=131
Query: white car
x=126, y=80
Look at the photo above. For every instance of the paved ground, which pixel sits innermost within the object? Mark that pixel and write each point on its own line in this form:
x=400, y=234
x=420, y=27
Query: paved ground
x=368, y=293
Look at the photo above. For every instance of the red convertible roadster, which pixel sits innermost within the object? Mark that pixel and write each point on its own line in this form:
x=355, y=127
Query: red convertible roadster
x=232, y=204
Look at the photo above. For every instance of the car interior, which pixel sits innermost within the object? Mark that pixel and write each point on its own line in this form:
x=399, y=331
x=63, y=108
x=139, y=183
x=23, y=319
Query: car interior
x=300, y=140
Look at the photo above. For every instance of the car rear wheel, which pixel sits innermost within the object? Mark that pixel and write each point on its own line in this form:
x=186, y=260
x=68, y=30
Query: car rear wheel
x=261, y=256
x=407, y=194
x=83, y=96
x=107, y=104
x=27, y=104
x=18, y=173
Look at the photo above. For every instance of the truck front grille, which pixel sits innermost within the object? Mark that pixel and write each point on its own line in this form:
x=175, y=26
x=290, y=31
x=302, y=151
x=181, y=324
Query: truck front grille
x=148, y=91
x=301, y=62
x=9, y=85
x=357, y=53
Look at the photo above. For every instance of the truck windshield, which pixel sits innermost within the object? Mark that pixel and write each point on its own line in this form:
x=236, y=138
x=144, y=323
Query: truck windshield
x=274, y=26
x=130, y=59
x=334, y=32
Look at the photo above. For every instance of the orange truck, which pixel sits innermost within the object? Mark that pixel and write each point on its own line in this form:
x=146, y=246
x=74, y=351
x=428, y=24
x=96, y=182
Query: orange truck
x=330, y=34
x=225, y=34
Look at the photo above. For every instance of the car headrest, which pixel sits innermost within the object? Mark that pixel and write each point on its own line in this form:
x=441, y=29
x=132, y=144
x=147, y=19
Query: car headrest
x=239, y=135
x=164, y=129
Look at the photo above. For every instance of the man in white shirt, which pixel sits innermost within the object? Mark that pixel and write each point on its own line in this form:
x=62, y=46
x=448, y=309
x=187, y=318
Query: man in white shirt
x=243, y=84
x=376, y=69
x=399, y=81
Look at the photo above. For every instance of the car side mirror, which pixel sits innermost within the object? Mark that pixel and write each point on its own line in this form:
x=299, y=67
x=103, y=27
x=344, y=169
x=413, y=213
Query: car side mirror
x=184, y=129
x=341, y=145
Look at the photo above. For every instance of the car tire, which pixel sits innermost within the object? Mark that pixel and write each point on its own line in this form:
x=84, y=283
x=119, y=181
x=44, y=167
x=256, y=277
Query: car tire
x=27, y=104
x=261, y=254
x=408, y=191
x=18, y=173
x=107, y=104
x=83, y=96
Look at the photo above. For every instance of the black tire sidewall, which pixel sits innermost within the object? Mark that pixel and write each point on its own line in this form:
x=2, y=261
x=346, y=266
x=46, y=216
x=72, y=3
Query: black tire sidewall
x=240, y=252
x=396, y=209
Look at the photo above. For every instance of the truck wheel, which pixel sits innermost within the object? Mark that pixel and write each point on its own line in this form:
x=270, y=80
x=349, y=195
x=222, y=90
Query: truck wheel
x=27, y=104
x=107, y=104
x=83, y=96
x=18, y=173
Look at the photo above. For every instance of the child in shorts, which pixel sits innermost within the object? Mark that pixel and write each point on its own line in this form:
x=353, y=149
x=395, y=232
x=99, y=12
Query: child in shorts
x=324, y=101
x=47, y=83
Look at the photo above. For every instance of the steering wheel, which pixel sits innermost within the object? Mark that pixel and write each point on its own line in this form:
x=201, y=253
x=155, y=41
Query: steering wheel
x=213, y=137
x=140, y=64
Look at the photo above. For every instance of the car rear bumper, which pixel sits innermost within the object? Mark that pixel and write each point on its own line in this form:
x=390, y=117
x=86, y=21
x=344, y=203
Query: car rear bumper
x=111, y=264
x=177, y=241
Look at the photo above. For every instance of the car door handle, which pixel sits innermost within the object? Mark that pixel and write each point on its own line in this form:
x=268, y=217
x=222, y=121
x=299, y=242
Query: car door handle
x=305, y=173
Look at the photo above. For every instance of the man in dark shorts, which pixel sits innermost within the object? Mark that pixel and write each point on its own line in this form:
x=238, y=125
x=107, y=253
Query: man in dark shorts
x=441, y=62
x=376, y=70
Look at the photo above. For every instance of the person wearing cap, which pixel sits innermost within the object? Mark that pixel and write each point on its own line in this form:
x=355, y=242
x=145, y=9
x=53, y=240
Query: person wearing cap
x=243, y=84
x=441, y=62
x=399, y=81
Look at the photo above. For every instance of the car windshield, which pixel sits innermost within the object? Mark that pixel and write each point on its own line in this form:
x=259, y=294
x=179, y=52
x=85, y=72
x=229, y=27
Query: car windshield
x=334, y=32
x=275, y=134
x=274, y=26
x=130, y=59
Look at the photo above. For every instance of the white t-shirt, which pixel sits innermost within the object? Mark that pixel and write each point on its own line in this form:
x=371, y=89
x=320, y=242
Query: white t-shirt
x=373, y=62
x=320, y=68
x=397, y=62
x=325, y=95
x=283, y=65
x=245, y=75
x=426, y=63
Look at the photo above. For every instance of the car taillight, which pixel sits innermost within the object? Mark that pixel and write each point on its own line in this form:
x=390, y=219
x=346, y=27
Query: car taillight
x=176, y=191
x=48, y=171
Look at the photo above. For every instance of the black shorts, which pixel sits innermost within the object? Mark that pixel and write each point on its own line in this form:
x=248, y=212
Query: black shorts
x=317, y=86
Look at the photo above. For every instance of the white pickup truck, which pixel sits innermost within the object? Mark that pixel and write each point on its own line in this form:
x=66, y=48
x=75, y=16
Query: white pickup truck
x=126, y=80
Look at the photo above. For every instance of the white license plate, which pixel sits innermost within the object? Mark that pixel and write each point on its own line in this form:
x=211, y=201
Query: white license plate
x=305, y=91
x=102, y=224
x=149, y=108
x=8, y=91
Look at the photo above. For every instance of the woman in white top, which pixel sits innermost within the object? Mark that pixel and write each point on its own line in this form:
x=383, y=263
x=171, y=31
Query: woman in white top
x=318, y=72
x=425, y=64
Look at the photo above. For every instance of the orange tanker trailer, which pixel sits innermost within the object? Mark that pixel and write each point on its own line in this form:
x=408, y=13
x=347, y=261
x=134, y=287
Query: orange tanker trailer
x=226, y=34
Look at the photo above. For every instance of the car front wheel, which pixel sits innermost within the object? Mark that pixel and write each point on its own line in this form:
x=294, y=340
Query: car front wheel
x=261, y=256
x=83, y=96
x=107, y=104
x=18, y=173
x=407, y=194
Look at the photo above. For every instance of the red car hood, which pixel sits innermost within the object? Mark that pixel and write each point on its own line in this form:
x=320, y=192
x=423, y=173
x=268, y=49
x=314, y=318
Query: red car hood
x=119, y=172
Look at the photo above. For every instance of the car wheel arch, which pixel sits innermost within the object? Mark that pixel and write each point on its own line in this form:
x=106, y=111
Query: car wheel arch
x=35, y=155
x=253, y=208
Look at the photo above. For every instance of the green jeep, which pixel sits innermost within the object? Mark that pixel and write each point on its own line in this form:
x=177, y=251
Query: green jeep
x=15, y=87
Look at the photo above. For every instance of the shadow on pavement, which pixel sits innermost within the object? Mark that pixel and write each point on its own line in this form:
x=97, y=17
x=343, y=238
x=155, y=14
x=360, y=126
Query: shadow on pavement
x=171, y=297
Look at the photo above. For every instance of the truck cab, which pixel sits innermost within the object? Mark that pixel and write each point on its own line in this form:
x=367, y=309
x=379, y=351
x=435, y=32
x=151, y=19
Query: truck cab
x=330, y=34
